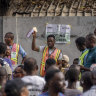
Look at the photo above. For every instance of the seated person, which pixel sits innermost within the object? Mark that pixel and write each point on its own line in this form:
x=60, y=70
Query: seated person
x=65, y=64
x=19, y=72
x=73, y=75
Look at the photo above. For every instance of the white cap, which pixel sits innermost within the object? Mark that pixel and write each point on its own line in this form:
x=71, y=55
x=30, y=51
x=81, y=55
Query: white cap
x=66, y=58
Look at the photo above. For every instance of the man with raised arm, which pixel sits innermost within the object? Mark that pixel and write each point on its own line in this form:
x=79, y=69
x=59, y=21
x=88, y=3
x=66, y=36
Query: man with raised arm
x=49, y=51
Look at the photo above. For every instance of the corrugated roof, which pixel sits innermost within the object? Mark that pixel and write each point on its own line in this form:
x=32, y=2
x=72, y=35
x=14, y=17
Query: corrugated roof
x=53, y=7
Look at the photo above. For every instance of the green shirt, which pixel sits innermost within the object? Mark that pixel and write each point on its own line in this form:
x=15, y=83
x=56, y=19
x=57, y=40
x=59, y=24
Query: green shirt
x=90, y=58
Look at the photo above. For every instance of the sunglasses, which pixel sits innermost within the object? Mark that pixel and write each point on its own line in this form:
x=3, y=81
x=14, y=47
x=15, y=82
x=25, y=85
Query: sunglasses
x=15, y=72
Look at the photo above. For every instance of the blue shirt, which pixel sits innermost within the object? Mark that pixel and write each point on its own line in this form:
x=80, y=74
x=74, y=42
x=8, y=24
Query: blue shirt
x=47, y=94
x=21, y=51
x=90, y=58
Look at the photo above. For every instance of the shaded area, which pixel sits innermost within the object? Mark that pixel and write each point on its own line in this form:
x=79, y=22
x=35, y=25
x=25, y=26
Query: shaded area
x=1, y=29
x=4, y=5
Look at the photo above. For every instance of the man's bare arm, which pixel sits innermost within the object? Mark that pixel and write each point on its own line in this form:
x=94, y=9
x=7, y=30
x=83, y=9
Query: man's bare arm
x=84, y=68
x=34, y=48
x=23, y=59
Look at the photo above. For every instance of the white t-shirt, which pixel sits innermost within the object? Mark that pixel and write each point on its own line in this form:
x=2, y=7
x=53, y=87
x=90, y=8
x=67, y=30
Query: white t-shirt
x=37, y=84
x=90, y=92
x=78, y=87
x=41, y=48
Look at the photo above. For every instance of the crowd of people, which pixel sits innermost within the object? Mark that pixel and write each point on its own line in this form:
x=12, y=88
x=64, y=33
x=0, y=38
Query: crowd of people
x=57, y=77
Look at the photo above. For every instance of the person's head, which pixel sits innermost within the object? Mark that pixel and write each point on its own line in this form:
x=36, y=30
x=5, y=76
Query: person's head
x=30, y=66
x=55, y=80
x=45, y=89
x=65, y=60
x=16, y=87
x=90, y=41
x=3, y=48
x=9, y=37
x=19, y=72
x=73, y=66
x=72, y=75
x=76, y=61
x=50, y=41
x=86, y=81
x=95, y=32
x=3, y=75
x=81, y=43
x=49, y=62
x=8, y=51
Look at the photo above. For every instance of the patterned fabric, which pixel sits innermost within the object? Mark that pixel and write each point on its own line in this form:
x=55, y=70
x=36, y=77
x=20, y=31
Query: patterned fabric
x=36, y=84
x=20, y=50
x=14, y=54
x=55, y=54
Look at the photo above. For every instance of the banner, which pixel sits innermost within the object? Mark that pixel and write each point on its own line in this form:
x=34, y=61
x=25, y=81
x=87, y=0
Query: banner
x=60, y=31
